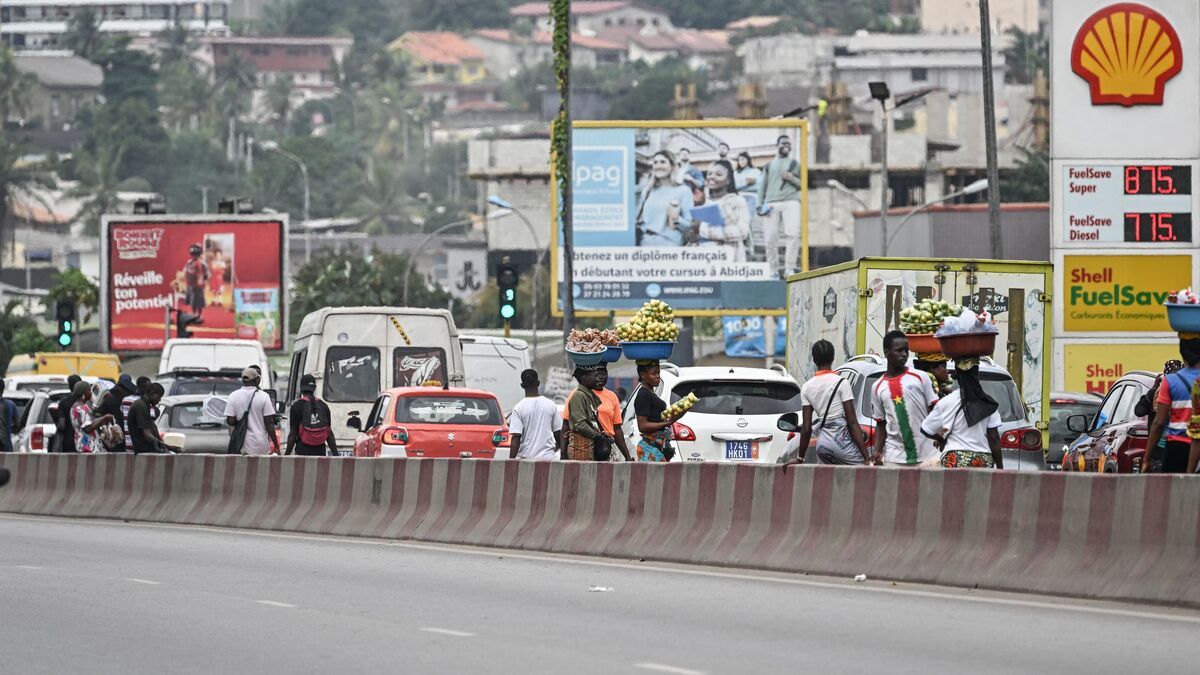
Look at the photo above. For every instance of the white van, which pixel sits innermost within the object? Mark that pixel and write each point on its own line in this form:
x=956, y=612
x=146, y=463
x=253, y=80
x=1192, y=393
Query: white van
x=494, y=364
x=214, y=354
x=357, y=352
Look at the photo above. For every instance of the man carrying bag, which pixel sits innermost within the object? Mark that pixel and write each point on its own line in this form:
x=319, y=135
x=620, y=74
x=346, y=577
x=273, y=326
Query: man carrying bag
x=252, y=418
x=309, y=428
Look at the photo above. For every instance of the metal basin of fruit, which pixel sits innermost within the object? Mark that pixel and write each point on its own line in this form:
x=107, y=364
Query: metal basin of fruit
x=647, y=351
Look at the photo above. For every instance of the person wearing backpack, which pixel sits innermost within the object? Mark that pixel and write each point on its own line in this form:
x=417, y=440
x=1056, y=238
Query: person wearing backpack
x=779, y=206
x=309, y=423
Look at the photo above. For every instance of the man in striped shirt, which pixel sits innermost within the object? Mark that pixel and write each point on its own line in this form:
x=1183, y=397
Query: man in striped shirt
x=1173, y=412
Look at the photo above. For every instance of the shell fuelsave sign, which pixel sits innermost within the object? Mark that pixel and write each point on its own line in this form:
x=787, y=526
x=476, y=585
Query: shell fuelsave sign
x=1121, y=293
x=1127, y=52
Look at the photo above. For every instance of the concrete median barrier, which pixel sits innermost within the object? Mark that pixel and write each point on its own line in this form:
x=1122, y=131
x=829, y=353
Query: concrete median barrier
x=1113, y=537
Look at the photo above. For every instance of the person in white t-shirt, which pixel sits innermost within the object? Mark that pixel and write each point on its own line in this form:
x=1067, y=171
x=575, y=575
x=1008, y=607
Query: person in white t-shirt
x=828, y=402
x=532, y=426
x=901, y=400
x=966, y=424
x=256, y=404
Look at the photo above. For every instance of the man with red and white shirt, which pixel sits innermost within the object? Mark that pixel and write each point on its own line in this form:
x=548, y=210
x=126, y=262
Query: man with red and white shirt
x=901, y=400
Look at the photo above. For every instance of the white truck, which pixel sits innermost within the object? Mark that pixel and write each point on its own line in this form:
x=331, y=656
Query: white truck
x=214, y=355
x=853, y=305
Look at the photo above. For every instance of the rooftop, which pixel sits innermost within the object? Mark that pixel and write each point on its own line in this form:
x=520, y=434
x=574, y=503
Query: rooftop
x=579, y=7
x=682, y=40
x=437, y=47
x=288, y=41
x=544, y=38
x=753, y=22
x=60, y=69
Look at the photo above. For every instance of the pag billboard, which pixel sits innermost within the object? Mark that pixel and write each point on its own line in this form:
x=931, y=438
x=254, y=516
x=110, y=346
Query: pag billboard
x=227, y=270
x=708, y=216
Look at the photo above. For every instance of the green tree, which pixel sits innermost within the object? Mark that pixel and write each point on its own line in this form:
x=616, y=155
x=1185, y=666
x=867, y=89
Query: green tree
x=15, y=87
x=99, y=173
x=349, y=280
x=199, y=161
x=83, y=34
x=279, y=102
x=334, y=171
x=1025, y=55
x=75, y=287
x=651, y=93
x=1029, y=181
x=19, y=334
x=186, y=96
x=19, y=180
x=381, y=204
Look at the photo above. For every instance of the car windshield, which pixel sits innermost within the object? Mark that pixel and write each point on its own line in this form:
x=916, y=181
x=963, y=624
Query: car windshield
x=732, y=397
x=207, y=385
x=1061, y=412
x=191, y=416
x=997, y=385
x=448, y=410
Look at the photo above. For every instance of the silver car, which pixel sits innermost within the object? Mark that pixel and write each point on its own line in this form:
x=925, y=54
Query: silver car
x=185, y=415
x=35, y=426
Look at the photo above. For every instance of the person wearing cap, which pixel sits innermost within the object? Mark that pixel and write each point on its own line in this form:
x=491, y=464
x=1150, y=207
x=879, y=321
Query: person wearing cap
x=140, y=430
x=254, y=404
x=83, y=422
x=310, y=415
x=532, y=423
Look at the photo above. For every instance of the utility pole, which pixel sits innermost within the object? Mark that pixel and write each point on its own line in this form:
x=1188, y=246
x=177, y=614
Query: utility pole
x=989, y=131
x=561, y=143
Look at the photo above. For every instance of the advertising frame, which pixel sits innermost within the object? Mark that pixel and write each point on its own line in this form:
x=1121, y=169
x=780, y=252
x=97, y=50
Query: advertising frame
x=802, y=129
x=108, y=221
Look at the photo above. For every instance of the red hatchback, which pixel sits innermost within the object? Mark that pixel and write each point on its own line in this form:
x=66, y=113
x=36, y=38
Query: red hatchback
x=429, y=422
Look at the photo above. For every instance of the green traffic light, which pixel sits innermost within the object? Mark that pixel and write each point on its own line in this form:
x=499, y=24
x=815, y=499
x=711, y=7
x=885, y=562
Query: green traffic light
x=66, y=327
x=64, y=339
x=507, y=311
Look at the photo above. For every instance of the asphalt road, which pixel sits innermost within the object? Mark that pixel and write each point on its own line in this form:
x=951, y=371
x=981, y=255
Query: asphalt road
x=108, y=597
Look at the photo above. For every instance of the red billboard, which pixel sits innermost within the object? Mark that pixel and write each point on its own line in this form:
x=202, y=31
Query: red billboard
x=226, y=270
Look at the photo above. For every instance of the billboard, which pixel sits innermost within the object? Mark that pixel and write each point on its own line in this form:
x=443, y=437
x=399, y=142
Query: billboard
x=1121, y=293
x=708, y=216
x=227, y=270
x=1096, y=367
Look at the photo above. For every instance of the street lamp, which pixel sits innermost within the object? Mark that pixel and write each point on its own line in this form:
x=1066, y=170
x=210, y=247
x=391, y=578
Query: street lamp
x=880, y=92
x=501, y=203
x=972, y=189
x=841, y=187
x=425, y=242
x=272, y=146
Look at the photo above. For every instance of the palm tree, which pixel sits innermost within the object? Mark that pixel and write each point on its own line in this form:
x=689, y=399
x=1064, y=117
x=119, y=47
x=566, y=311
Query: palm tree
x=236, y=81
x=18, y=333
x=98, y=171
x=186, y=95
x=382, y=205
x=83, y=34
x=279, y=101
x=174, y=46
x=15, y=87
x=19, y=180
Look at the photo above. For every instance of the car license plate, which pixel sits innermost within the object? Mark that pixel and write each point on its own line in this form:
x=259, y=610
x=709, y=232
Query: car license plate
x=741, y=449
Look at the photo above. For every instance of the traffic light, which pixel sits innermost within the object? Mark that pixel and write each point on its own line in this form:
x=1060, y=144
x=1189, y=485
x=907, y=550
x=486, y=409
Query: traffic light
x=507, y=278
x=183, y=320
x=64, y=311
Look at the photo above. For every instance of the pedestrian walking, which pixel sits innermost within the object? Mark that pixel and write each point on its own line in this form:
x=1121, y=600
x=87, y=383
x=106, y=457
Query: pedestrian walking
x=1173, y=413
x=64, y=434
x=251, y=417
x=902, y=398
x=141, y=429
x=83, y=422
x=609, y=412
x=8, y=421
x=779, y=205
x=965, y=425
x=840, y=439
x=586, y=441
x=655, y=444
x=310, y=432
x=532, y=424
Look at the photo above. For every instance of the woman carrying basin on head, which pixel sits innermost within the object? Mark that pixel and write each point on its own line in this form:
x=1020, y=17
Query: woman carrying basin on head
x=965, y=425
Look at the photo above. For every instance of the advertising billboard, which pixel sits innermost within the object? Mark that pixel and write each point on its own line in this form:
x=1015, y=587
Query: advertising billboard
x=1096, y=367
x=1121, y=293
x=708, y=216
x=227, y=270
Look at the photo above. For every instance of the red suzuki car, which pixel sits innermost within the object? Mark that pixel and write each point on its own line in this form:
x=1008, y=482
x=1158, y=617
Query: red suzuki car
x=429, y=422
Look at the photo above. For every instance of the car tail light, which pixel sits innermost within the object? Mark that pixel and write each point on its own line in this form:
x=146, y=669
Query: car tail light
x=395, y=436
x=37, y=439
x=683, y=432
x=500, y=438
x=1027, y=440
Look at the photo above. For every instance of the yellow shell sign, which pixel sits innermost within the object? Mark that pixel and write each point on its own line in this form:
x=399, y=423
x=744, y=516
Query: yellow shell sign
x=1121, y=293
x=1127, y=52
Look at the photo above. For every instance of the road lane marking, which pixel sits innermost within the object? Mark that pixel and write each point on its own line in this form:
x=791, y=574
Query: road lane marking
x=951, y=593
x=447, y=631
x=272, y=603
x=663, y=668
x=29, y=567
x=145, y=581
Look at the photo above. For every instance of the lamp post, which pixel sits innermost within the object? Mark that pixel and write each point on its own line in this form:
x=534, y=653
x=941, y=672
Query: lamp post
x=989, y=130
x=272, y=146
x=880, y=92
x=840, y=187
x=502, y=203
x=425, y=242
x=974, y=188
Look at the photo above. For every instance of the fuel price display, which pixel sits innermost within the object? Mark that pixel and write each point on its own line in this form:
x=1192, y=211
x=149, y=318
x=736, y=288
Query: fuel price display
x=1143, y=203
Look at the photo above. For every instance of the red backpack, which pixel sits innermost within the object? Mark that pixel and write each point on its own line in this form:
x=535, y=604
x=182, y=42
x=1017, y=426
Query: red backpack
x=315, y=424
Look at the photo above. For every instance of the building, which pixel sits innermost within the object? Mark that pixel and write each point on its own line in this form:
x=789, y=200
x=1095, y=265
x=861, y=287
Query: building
x=956, y=232
x=593, y=16
x=753, y=23
x=65, y=85
x=506, y=52
x=447, y=68
x=309, y=64
x=962, y=16
x=702, y=49
x=40, y=24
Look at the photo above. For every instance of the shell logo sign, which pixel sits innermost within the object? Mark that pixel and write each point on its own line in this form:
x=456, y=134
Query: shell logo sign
x=1127, y=52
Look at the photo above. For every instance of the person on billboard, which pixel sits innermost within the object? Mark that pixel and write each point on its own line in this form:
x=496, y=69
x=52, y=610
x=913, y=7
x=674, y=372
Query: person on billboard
x=195, y=276
x=216, y=282
x=665, y=209
x=747, y=174
x=779, y=199
x=729, y=208
x=690, y=176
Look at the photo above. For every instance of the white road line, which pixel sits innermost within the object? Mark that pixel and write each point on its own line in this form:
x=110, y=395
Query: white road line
x=29, y=567
x=272, y=603
x=663, y=668
x=951, y=593
x=447, y=631
x=145, y=581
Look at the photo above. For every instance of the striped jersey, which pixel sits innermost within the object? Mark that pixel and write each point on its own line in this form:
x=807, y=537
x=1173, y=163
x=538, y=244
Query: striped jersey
x=1178, y=395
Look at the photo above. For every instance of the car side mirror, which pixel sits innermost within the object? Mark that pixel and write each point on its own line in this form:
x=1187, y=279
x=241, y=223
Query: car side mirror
x=280, y=407
x=353, y=422
x=789, y=422
x=1079, y=424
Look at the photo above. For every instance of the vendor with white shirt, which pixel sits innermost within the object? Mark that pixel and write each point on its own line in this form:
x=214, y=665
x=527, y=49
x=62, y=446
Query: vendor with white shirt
x=533, y=425
x=966, y=424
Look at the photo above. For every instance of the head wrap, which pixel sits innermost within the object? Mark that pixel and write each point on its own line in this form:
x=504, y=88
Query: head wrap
x=976, y=404
x=78, y=390
x=646, y=363
x=1172, y=366
x=583, y=370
